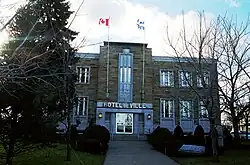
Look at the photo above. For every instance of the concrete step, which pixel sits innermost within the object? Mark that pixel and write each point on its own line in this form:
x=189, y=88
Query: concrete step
x=128, y=137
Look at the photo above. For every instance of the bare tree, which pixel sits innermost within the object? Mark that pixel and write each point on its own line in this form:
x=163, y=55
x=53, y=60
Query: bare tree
x=199, y=50
x=234, y=68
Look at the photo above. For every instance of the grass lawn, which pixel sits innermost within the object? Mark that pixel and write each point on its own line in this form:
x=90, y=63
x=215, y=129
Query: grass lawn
x=56, y=156
x=239, y=157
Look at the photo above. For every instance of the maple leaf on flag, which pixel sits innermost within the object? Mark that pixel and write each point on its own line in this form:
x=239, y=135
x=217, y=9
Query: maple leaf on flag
x=104, y=21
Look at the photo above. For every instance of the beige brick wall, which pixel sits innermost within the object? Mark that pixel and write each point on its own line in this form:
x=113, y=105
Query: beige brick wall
x=96, y=90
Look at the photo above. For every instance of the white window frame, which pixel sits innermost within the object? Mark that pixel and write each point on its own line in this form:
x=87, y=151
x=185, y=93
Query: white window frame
x=206, y=76
x=202, y=110
x=182, y=105
x=85, y=105
x=185, y=80
x=163, y=105
x=80, y=74
x=169, y=76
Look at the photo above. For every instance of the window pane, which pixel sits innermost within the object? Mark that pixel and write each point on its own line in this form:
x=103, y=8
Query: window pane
x=80, y=106
x=121, y=75
x=185, y=109
x=167, y=108
x=129, y=75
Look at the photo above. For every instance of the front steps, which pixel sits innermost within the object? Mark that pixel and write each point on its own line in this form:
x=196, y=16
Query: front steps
x=123, y=137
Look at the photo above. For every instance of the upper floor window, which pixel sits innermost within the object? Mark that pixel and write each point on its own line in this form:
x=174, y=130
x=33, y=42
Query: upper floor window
x=185, y=78
x=203, y=111
x=186, y=109
x=126, y=68
x=125, y=74
x=82, y=106
x=83, y=74
x=203, y=79
x=166, y=78
x=167, y=108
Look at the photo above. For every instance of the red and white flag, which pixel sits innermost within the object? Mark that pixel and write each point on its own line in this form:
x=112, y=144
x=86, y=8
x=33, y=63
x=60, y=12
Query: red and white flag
x=104, y=21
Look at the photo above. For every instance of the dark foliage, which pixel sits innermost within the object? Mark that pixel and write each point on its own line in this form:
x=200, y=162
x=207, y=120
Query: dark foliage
x=93, y=146
x=32, y=95
x=178, y=132
x=199, y=135
x=228, y=139
x=163, y=140
x=96, y=132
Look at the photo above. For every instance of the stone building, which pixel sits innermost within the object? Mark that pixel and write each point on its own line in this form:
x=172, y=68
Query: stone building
x=139, y=92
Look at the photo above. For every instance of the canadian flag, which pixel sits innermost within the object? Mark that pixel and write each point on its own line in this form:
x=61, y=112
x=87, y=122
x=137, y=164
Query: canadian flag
x=104, y=21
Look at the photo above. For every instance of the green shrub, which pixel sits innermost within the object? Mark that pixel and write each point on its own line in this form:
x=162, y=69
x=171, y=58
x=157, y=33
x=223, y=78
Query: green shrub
x=178, y=132
x=163, y=140
x=96, y=132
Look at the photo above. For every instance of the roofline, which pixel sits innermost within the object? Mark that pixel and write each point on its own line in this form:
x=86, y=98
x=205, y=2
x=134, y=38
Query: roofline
x=125, y=43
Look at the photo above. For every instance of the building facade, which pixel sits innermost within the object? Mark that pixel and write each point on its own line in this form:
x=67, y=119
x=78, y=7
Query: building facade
x=129, y=91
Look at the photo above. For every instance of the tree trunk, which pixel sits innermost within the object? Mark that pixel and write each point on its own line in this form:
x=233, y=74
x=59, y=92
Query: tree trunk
x=214, y=137
x=247, y=127
x=236, y=129
x=10, y=151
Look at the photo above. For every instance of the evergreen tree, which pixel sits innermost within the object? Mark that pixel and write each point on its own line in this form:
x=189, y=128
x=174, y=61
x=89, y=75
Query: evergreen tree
x=32, y=91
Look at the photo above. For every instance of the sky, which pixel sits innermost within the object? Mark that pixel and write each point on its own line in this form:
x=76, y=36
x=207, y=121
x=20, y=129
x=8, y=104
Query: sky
x=156, y=14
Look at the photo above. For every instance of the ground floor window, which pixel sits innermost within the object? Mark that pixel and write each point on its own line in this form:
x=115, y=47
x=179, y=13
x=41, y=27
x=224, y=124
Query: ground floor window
x=186, y=109
x=203, y=111
x=82, y=106
x=167, y=108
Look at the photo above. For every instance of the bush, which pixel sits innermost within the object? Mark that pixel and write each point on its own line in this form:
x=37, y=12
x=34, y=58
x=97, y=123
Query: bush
x=199, y=138
x=94, y=140
x=92, y=146
x=163, y=140
x=96, y=132
x=227, y=137
x=178, y=132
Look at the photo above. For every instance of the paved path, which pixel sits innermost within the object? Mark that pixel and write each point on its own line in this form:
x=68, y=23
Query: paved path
x=135, y=153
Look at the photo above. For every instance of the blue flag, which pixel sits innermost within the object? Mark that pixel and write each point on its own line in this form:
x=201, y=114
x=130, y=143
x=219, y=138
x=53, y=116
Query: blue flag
x=140, y=24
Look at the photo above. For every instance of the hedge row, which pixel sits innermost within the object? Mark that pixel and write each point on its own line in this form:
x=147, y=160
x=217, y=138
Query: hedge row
x=166, y=142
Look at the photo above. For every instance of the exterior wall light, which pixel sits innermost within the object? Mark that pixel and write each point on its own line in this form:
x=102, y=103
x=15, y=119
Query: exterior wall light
x=100, y=115
x=149, y=116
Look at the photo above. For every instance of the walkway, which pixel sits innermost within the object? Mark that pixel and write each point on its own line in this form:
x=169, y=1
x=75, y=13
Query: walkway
x=135, y=153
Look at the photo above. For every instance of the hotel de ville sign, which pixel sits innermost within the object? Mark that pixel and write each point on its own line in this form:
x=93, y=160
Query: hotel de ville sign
x=124, y=105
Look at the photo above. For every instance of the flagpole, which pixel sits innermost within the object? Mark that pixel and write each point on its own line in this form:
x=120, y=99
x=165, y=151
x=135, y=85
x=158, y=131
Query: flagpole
x=107, y=90
x=143, y=67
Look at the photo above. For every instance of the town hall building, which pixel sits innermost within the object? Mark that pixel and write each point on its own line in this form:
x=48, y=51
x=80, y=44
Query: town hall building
x=129, y=91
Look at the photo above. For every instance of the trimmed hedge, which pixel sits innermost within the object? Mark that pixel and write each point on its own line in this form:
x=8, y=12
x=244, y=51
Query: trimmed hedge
x=96, y=132
x=94, y=140
x=163, y=140
x=199, y=136
x=178, y=132
x=92, y=146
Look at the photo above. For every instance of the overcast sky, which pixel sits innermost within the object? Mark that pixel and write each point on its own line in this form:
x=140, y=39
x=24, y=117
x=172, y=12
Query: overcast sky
x=124, y=13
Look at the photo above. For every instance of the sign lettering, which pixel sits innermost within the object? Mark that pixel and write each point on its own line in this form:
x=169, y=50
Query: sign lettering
x=124, y=105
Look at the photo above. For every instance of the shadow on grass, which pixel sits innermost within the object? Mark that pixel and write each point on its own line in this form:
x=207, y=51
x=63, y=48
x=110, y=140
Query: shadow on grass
x=56, y=156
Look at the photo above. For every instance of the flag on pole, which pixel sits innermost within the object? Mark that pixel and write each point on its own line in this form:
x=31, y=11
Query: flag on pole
x=140, y=24
x=104, y=21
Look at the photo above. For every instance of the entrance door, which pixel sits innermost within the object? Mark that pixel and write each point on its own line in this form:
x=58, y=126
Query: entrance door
x=124, y=123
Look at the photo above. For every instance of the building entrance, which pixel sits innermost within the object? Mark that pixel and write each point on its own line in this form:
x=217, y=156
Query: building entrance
x=124, y=123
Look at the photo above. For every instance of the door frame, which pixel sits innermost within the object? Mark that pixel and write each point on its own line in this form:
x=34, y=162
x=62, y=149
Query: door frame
x=124, y=132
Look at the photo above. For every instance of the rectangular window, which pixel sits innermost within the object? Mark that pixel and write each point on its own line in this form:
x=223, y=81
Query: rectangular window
x=83, y=74
x=186, y=109
x=166, y=78
x=82, y=106
x=125, y=77
x=203, y=80
x=203, y=112
x=167, y=108
x=185, y=78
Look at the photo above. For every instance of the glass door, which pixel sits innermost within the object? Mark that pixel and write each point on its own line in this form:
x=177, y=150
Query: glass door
x=124, y=123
